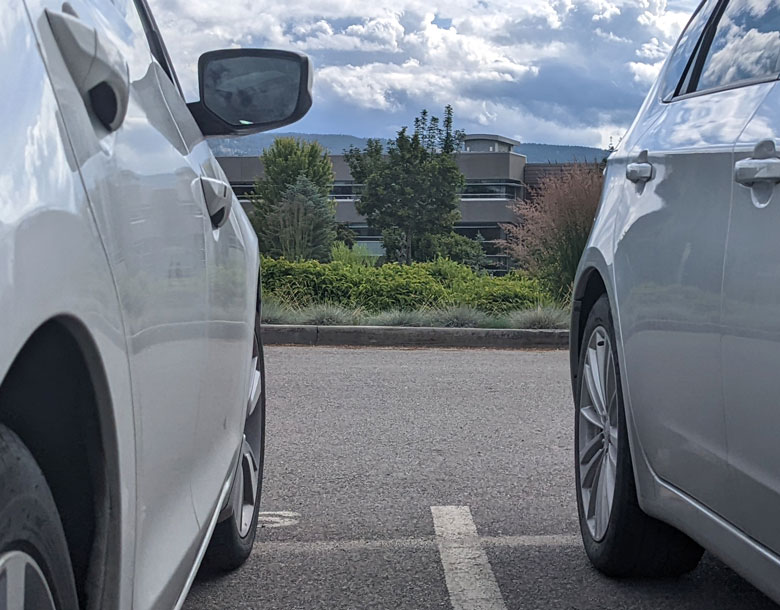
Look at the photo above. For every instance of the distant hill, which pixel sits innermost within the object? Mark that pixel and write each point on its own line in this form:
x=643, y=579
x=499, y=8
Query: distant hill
x=336, y=144
x=555, y=153
x=249, y=146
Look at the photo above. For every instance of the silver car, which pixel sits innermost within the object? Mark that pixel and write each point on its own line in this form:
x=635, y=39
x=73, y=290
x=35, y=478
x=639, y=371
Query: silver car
x=675, y=344
x=132, y=404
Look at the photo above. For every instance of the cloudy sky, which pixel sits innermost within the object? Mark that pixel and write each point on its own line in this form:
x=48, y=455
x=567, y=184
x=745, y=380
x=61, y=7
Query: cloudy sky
x=552, y=71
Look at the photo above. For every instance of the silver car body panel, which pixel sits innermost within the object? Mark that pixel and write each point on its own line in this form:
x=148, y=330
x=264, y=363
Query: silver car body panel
x=691, y=266
x=751, y=340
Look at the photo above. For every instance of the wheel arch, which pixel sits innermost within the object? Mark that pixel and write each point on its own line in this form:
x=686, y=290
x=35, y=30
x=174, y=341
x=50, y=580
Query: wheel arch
x=55, y=397
x=589, y=288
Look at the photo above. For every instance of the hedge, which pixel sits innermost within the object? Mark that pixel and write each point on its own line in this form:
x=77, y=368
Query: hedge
x=397, y=287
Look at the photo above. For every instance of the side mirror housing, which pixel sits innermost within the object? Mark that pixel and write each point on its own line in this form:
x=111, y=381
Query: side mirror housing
x=245, y=91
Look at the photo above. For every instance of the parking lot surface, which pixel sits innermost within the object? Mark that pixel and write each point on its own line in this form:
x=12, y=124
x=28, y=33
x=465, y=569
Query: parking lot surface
x=416, y=479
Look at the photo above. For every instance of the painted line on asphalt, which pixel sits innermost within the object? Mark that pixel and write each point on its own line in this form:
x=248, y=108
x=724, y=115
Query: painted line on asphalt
x=467, y=572
x=391, y=544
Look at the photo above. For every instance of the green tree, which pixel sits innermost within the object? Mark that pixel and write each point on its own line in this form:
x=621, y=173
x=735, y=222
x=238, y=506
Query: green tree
x=287, y=159
x=299, y=226
x=412, y=192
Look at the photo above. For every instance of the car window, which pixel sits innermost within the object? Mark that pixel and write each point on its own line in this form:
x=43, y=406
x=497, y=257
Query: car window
x=745, y=46
x=686, y=49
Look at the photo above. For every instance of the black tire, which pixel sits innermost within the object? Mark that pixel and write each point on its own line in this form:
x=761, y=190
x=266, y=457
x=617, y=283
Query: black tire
x=634, y=544
x=228, y=550
x=29, y=520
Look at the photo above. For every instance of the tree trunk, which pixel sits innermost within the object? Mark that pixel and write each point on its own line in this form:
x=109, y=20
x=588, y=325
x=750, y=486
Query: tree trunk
x=408, y=247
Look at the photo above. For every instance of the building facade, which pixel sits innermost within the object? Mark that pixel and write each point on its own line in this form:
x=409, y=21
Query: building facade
x=495, y=175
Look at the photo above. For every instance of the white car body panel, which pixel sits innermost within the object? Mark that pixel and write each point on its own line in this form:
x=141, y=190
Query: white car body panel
x=109, y=232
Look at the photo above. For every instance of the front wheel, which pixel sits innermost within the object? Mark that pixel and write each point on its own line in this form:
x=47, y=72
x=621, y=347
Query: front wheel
x=35, y=568
x=619, y=538
x=234, y=536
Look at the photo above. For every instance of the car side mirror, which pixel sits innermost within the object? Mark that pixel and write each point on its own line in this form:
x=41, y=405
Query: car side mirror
x=245, y=91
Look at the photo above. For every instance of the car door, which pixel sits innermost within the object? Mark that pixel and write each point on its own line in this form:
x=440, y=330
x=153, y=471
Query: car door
x=149, y=208
x=232, y=297
x=669, y=258
x=751, y=281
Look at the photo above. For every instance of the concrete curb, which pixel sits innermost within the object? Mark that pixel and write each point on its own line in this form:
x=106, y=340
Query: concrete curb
x=398, y=336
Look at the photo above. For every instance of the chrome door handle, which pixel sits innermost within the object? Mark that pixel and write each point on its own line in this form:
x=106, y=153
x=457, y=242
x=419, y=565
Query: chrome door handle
x=98, y=68
x=639, y=172
x=219, y=200
x=762, y=168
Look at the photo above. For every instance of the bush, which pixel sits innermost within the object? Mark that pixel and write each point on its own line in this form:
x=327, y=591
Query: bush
x=457, y=248
x=328, y=315
x=460, y=316
x=539, y=318
x=553, y=226
x=275, y=312
x=436, y=284
x=357, y=255
x=400, y=317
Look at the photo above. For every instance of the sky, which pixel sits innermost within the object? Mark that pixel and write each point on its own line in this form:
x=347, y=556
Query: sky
x=549, y=71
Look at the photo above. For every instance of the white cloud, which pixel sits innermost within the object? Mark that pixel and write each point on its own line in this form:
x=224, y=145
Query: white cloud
x=541, y=69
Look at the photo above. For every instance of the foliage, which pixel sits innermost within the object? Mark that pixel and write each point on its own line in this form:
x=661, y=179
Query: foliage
x=345, y=234
x=274, y=311
x=285, y=161
x=413, y=190
x=540, y=317
x=325, y=314
x=277, y=312
x=407, y=287
x=356, y=255
x=553, y=225
x=401, y=317
x=300, y=225
x=459, y=316
x=458, y=248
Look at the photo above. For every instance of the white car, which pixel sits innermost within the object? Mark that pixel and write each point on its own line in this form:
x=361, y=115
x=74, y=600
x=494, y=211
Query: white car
x=131, y=372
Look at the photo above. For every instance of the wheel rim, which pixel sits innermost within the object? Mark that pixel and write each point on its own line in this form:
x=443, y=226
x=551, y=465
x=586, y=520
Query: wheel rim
x=249, y=466
x=22, y=584
x=597, y=446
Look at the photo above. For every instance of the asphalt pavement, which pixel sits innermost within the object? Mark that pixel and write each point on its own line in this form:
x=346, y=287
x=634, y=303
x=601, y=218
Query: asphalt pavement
x=416, y=479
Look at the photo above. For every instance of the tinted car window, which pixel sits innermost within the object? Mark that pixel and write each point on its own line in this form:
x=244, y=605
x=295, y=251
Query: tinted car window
x=746, y=45
x=685, y=48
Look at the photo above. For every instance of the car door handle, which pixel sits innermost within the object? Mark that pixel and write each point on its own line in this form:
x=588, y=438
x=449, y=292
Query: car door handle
x=762, y=168
x=639, y=172
x=219, y=200
x=97, y=67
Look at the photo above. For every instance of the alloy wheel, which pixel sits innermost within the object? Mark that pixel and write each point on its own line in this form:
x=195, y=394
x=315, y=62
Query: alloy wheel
x=245, y=494
x=22, y=583
x=597, y=443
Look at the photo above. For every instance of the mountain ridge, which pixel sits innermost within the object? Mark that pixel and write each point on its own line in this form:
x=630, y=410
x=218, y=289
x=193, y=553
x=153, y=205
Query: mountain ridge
x=336, y=144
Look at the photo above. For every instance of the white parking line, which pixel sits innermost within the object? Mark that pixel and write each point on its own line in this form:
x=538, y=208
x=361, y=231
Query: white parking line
x=467, y=572
x=400, y=544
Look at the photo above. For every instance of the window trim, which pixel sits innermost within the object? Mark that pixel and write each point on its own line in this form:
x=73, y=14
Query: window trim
x=684, y=80
x=691, y=79
x=692, y=74
x=735, y=85
x=156, y=42
x=668, y=97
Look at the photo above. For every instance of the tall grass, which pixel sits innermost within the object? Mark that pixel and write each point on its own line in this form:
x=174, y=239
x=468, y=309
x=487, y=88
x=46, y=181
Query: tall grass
x=552, y=226
x=324, y=314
